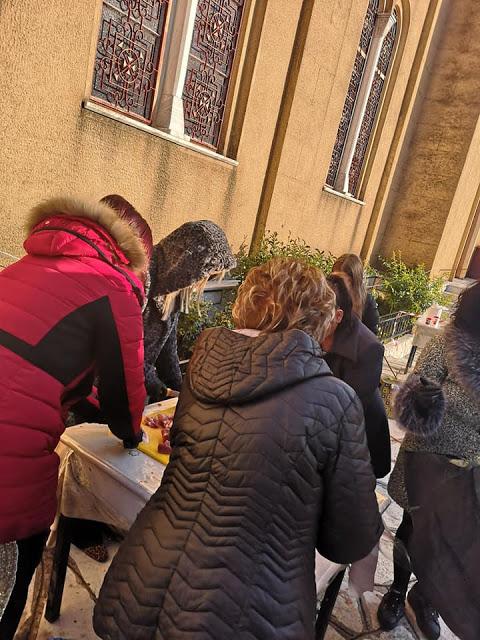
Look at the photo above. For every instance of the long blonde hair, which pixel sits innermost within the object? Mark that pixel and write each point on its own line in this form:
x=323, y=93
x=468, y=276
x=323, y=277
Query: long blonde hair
x=283, y=294
x=352, y=266
x=187, y=295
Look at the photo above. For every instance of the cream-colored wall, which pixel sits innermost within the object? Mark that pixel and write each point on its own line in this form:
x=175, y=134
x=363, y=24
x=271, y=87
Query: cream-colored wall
x=462, y=210
x=50, y=145
x=428, y=209
x=299, y=204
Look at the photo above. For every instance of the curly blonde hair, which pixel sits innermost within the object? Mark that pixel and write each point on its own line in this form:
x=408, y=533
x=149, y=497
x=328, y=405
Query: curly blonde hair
x=285, y=294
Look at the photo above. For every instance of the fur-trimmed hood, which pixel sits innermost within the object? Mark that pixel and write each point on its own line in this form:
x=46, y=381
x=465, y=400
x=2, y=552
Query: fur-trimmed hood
x=463, y=359
x=95, y=221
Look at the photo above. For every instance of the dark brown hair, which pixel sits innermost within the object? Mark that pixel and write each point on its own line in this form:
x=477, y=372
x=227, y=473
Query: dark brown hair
x=352, y=265
x=340, y=283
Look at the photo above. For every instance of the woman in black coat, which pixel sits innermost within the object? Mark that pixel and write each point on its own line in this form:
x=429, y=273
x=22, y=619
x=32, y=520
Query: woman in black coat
x=364, y=304
x=269, y=462
x=355, y=356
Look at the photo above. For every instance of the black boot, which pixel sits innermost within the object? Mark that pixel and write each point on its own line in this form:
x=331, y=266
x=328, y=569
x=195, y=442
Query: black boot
x=391, y=609
x=425, y=614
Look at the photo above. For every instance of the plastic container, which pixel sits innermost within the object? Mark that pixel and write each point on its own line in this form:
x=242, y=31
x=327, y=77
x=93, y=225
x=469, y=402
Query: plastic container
x=434, y=311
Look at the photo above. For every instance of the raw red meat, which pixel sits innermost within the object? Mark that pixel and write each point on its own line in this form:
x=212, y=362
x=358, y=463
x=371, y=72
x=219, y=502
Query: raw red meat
x=164, y=423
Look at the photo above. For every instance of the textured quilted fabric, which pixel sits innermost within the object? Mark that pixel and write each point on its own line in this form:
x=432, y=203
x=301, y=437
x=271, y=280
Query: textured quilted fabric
x=65, y=312
x=269, y=461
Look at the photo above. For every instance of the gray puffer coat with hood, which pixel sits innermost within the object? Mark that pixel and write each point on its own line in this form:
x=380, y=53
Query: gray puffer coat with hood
x=269, y=462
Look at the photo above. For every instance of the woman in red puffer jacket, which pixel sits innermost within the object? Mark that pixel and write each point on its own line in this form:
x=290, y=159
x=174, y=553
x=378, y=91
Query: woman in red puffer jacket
x=69, y=310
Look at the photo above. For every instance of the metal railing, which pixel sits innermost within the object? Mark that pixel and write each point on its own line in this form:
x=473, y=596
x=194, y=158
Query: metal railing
x=395, y=325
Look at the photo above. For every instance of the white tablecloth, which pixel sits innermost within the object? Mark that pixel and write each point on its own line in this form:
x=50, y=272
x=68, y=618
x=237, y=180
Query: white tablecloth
x=100, y=480
x=423, y=333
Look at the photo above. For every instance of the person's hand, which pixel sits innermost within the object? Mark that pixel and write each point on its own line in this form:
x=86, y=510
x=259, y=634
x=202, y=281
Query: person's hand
x=132, y=443
x=427, y=395
x=171, y=393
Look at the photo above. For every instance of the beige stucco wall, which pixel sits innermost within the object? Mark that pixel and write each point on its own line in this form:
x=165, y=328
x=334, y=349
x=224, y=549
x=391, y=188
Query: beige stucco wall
x=50, y=145
x=461, y=213
x=299, y=204
x=438, y=178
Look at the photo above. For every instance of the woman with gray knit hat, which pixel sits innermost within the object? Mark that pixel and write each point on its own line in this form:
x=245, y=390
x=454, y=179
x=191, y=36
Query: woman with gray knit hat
x=181, y=265
x=437, y=481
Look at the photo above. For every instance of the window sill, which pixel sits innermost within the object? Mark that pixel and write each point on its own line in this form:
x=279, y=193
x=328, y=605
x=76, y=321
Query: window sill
x=345, y=196
x=113, y=115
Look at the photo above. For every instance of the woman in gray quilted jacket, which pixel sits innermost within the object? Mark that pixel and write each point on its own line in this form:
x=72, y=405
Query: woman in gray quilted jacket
x=436, y=480
x=269, y=462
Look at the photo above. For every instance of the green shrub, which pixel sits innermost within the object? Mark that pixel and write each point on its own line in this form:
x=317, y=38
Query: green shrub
x=402, y=288
x=407, y=288
x=191, y=324
x=273, y=247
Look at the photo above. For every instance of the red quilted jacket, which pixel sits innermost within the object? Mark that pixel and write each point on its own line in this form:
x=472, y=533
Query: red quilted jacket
x=69, y=310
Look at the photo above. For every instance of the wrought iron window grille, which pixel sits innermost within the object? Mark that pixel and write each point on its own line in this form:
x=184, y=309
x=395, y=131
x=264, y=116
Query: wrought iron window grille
x=374, y=98
x=132, y=42
x=210, y=64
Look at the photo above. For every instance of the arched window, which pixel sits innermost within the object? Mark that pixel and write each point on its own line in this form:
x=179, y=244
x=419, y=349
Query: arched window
x=363, y=98
x=353, y=88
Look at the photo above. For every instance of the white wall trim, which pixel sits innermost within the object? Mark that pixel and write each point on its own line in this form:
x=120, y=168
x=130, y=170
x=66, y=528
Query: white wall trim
x=339, y=194
x=182, y=142
x=383, y=23
x=168, y=114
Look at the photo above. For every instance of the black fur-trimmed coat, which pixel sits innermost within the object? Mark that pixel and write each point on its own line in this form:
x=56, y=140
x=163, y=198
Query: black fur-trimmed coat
x=437, y=478
x=452, y=361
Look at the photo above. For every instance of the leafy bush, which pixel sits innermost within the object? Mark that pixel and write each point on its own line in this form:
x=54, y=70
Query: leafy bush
x=402, y=288
x=407, y=288
x=191, y=325
x=273, y=247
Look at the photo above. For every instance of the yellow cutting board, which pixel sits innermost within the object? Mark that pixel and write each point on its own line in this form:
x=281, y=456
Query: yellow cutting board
x=167, y=407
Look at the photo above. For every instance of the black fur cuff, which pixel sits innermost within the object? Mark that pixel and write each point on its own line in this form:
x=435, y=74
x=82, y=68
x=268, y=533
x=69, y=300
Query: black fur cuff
x=406, y=411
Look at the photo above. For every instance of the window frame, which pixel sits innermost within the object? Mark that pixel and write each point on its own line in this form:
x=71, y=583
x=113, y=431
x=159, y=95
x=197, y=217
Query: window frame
x=394, y=15
x=175, y=49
